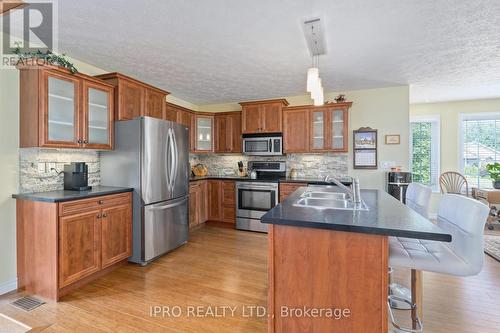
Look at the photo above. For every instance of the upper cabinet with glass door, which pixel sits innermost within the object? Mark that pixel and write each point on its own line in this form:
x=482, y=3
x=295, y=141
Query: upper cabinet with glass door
x=98, y=116
x=316, y=129
x=204, y=133
x=59, y=109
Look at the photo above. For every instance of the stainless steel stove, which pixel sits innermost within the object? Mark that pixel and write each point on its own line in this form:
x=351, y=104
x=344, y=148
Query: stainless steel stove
x=254, y=198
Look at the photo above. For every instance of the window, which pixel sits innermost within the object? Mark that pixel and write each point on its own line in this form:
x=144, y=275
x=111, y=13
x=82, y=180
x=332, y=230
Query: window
x=480, y=145
x=424, y=150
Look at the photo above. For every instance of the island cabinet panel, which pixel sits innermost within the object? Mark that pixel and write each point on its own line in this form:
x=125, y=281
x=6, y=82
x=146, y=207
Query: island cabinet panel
x=59, y=109
x=316, y=268
x=288, y=188
x=134, y=98
x=296, y=131
x=61, y=246
x=262, y=116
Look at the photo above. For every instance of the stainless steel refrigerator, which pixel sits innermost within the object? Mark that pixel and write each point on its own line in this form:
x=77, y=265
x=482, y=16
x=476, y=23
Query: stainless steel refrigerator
x=152, y=156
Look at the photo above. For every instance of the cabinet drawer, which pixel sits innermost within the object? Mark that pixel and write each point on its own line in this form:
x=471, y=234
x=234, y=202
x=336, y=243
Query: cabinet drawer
x=78, y=206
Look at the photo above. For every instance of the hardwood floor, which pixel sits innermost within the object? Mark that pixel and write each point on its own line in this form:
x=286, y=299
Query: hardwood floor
x=221, y=266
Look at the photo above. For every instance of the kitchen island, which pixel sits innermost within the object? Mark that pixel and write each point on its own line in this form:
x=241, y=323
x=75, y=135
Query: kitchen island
x=328, y=267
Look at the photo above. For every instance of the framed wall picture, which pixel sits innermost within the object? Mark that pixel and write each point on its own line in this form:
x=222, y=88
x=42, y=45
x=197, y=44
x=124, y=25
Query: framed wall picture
x=365, y=154
x=392, y=139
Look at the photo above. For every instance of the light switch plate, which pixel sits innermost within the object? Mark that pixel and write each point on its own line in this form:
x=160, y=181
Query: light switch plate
x=388, y=164
x=41, y=167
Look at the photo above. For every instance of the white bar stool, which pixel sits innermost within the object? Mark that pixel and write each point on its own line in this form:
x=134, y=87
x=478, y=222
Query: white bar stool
x=463, y=218
x=418, y=198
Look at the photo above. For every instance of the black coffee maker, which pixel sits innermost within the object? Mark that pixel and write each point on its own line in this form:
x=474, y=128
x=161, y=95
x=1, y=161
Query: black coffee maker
x=76, y=177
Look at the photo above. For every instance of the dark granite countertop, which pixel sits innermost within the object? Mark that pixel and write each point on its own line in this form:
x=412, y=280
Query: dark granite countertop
x=386, y=216
x=62, y=195
x=311, y=181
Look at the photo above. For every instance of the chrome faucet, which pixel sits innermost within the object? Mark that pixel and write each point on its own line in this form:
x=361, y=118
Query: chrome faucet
x=353, y=192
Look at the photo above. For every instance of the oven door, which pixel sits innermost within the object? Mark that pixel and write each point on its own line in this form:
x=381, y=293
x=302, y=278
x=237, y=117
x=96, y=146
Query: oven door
x=254, y=199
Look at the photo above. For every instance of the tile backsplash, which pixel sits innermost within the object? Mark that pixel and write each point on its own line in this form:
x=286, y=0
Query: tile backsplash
x=307, y=165
x=36, y=175
x=31, y=179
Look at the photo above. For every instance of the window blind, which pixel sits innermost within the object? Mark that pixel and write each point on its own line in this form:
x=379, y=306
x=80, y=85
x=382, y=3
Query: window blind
x=480, y=146
x=424, y=152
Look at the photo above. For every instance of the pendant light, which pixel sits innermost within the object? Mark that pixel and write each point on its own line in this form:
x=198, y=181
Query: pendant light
x=312, y=78
x=315, y=41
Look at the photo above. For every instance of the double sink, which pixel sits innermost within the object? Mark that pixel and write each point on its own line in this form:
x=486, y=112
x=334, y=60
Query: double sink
x=328, y=197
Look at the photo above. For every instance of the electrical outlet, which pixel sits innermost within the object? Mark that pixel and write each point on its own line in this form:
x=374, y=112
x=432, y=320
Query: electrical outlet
x=41, y=167
x=51, y=166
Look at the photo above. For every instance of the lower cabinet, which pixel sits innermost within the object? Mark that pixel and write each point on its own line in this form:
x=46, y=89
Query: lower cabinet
x=222, y=206
x=79, y=246
x=116, y=234
x=61, y=246
x=212, y=200
x=198, y=203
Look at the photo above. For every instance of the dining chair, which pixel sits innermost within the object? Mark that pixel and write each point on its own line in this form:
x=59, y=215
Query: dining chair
x=454, y=183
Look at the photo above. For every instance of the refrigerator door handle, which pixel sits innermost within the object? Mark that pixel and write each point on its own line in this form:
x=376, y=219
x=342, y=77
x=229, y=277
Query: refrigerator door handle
x=168, y=150
x=171, y=167
x=175, y=160
x=175, y=204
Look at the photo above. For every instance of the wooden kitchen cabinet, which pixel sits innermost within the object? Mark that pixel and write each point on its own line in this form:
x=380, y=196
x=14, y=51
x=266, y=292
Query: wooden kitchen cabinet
x=296, y=131
x=222, y=207
x=286, y=189
x=171, y=111
x=198, y=203
x=262, y=116
x=59, y=109
x=228, y=201
x=316, y=129
x=155, y=103
x=134, y=98
x=79, y=246
x=215, y=200
x=116, y=234
x=227, y=132
x=204, y=133
x=77, y=242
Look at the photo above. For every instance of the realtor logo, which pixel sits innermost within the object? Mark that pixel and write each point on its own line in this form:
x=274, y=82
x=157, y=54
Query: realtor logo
x=30, y=26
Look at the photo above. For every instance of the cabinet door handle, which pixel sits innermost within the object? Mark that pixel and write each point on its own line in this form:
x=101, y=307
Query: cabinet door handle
x=101, y=202
x=85, y=141
x=99, y=216
x=104, y=215
x=79, y=141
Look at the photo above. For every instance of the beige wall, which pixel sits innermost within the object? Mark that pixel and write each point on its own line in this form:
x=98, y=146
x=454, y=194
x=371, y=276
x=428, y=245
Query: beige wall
x=384, y=109
x=9, y=165
x=449, y=113
x=9, y=162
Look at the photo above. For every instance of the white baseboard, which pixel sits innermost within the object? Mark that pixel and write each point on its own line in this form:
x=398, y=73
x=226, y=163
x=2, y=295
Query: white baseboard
x=8, y=286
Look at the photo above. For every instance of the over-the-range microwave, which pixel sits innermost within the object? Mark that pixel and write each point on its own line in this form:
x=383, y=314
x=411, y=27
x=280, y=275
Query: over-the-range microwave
x=263, y=144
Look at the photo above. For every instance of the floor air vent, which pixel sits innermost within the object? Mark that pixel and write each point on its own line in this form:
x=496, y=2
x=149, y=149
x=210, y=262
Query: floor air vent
x=27, y=303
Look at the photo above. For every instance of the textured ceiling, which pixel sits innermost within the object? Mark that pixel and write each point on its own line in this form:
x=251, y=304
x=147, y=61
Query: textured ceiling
x=224, y=51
